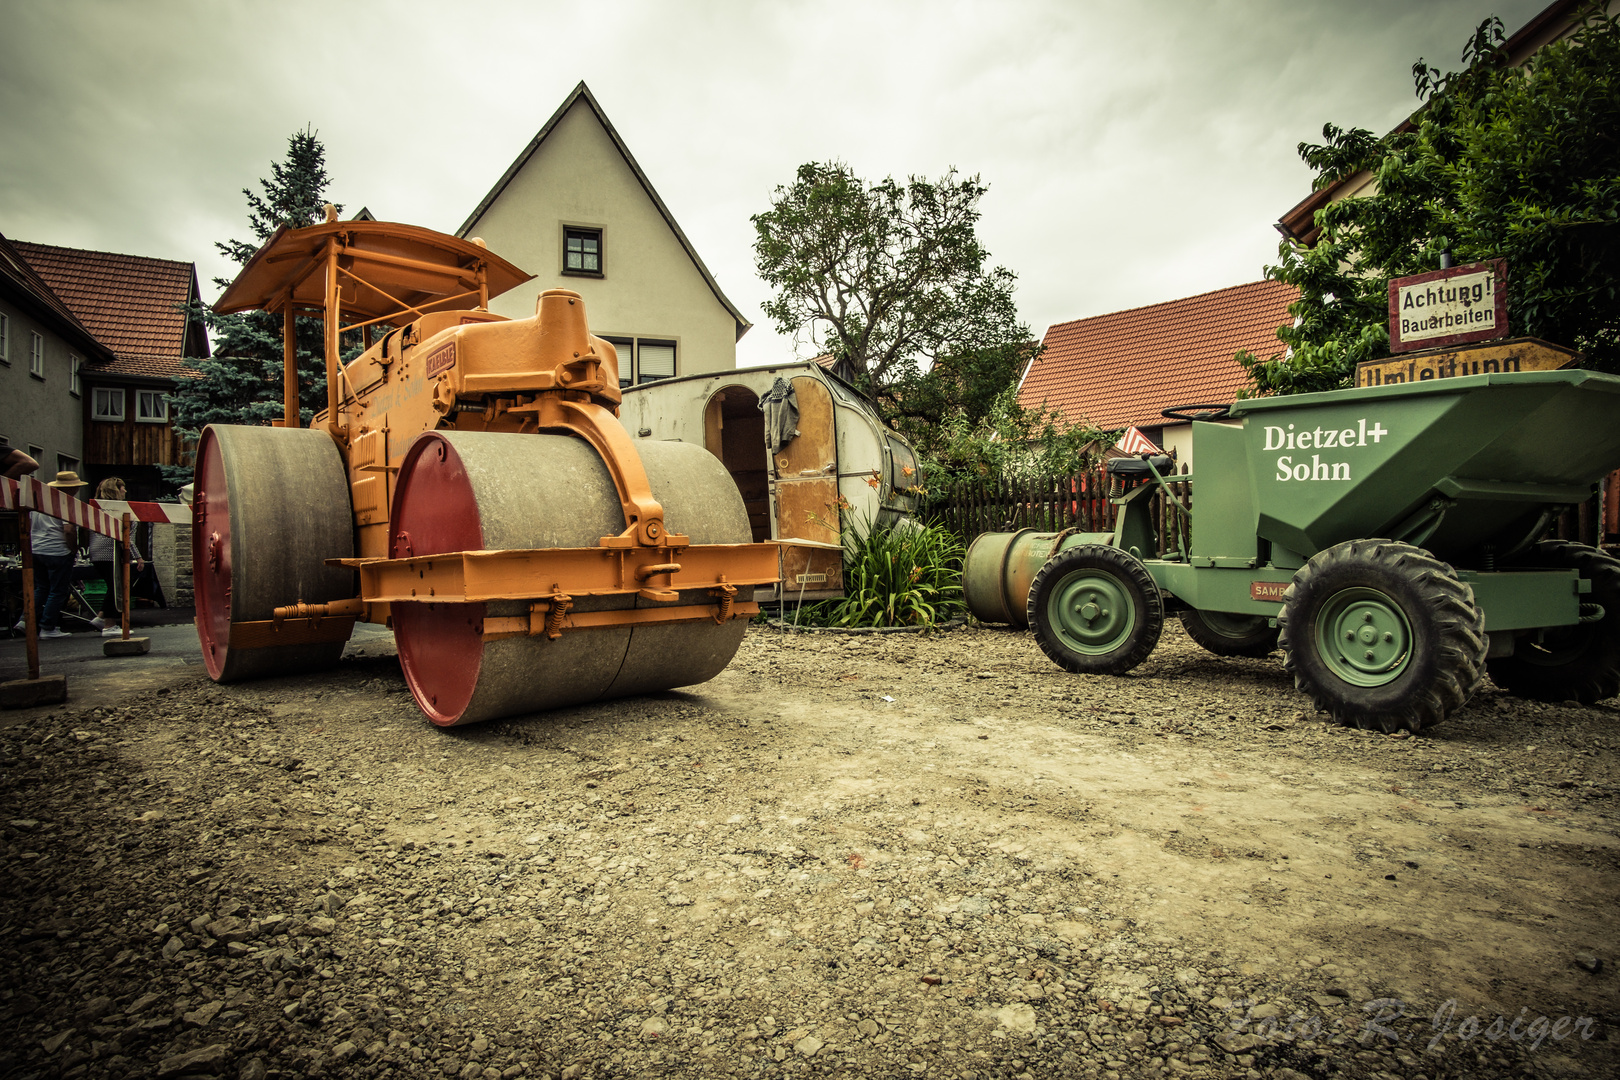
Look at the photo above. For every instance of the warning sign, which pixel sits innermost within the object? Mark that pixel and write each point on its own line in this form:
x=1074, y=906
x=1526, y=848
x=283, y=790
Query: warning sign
x=1448, y=307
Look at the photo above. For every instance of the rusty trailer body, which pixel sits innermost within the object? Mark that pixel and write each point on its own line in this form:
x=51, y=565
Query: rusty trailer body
x=844, y=468
x=469, y=485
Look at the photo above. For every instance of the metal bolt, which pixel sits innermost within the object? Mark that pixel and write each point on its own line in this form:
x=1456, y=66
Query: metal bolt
x=1349, y=635
x=1369, y=654
x=1388, y=637
x=1366, y=616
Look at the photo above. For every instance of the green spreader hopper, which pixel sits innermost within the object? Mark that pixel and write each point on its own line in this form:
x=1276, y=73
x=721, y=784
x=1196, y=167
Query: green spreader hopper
x=1388, y=539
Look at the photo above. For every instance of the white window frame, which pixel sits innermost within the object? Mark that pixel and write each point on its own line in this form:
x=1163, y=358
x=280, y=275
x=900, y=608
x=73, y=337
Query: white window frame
x=114, y=393
x=629, y=350
x=36, y=355
x=5, y=339
x=74, y=363
x=142, y=397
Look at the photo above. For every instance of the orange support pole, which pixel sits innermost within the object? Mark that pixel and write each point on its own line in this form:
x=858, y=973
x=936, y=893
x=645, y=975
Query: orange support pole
x=289, y=362
x=332, y=316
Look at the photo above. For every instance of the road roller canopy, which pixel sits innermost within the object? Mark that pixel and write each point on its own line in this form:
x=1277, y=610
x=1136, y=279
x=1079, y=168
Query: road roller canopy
x=386, y=272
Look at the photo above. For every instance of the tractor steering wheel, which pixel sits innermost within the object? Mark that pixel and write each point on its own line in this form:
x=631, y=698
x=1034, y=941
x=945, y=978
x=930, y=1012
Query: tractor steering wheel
x=1190, y=413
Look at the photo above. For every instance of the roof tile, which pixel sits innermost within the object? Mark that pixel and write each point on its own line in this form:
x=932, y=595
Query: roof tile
x=1120, y=369
x=131, y=303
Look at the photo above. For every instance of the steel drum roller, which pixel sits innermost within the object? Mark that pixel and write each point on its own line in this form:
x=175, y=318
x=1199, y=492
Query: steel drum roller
x=271, y=506
x=468, y=491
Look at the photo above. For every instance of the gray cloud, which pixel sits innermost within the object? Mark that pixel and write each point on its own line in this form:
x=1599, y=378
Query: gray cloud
x=1136, y=153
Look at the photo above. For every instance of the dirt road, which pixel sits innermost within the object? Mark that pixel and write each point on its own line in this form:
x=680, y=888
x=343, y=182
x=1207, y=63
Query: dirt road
x=854, y=856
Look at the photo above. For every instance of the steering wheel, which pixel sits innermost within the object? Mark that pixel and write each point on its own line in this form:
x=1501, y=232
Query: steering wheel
x=1190, y=413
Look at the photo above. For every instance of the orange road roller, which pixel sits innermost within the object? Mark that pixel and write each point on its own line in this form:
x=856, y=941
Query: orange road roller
x=468, y=485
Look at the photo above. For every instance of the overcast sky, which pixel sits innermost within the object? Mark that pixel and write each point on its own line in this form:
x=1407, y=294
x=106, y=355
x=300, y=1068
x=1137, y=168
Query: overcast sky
x=1136, y=152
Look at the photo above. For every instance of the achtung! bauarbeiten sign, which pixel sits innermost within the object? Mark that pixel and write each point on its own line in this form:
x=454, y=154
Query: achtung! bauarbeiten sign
x=1448, y=307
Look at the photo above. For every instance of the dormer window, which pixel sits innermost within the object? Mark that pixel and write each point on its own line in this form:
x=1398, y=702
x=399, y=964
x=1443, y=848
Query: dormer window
x=582, y=251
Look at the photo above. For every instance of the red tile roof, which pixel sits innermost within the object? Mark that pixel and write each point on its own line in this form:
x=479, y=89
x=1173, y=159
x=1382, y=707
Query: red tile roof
x=24, y=285
x=131, y=303
x=1121, y=369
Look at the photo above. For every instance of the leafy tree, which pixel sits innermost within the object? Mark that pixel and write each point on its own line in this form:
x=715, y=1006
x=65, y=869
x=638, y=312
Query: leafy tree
x=1500, y=162
x=242, y=384
x=958, y=392
x=1009, y=440
x=891, y=279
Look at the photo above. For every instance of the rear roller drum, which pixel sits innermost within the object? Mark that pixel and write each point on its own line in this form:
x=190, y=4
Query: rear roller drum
x=463, y=491
x=271, y=505
x=1095, y=610
x=1382, y=635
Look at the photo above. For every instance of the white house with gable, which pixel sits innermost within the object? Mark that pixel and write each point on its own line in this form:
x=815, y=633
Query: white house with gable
x=576, y=211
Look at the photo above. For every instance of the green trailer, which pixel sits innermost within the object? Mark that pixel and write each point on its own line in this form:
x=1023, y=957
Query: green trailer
x=1390, y=540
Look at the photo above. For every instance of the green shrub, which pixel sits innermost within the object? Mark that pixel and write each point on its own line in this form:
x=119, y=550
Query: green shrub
x=906, y=576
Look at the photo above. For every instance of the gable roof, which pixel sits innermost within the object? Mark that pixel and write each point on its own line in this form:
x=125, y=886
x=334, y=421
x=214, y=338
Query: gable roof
x=1120, y=369
x=583, y=93
x=23, y=283
x=134, y=305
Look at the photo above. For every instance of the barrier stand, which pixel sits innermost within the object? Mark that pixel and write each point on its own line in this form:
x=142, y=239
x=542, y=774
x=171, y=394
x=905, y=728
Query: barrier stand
x=28, y=496
x=23, y=693
x=125, y=645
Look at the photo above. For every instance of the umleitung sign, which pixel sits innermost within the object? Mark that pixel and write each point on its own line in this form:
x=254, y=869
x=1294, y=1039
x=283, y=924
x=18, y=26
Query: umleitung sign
x=1448, y=307
x=1519, y=354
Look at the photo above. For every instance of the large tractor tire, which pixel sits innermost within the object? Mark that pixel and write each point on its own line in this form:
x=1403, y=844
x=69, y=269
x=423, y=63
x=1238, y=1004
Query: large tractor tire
x=1569, y=663
x=1096, y=610
x=468, y=491
x=270, y=506
x=1225, y=634
x=1382, y=635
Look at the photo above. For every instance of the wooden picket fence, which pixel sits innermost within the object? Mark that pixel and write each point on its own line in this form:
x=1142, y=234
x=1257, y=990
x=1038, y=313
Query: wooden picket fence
x=1079, y=501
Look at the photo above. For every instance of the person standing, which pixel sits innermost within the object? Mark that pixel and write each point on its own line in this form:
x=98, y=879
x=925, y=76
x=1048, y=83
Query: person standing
x=109, y=561
x=53, y=543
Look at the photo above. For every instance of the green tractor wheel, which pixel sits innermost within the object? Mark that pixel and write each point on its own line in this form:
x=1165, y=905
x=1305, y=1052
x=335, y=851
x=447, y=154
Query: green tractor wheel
x=1095, y=610
x=1382, y=635
x=1569, y=663
x=1225, y=634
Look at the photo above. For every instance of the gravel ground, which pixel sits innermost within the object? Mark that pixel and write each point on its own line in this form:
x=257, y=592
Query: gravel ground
x=881, y=856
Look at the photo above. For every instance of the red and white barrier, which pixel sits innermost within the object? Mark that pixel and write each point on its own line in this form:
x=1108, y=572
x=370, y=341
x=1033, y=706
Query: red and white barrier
x=31, y=494
x=154, y=512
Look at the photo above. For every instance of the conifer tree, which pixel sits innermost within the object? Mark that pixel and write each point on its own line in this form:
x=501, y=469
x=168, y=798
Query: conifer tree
x=242, y=384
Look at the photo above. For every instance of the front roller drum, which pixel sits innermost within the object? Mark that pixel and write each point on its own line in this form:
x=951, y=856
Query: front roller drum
x=271, y=505
x=469, y=491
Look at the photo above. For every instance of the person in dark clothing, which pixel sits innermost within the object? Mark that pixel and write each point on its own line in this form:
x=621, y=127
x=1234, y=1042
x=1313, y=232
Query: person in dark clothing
x=53, y=543
x=108, y=557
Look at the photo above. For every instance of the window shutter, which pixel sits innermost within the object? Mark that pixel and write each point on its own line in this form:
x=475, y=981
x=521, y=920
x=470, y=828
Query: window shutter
x=657, y=362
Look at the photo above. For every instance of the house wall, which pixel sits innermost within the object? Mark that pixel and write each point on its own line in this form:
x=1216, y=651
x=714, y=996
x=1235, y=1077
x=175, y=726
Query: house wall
x=39, y=412
x=649, y=287
x=130, y=442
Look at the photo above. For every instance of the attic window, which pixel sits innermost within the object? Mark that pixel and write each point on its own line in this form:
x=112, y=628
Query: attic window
x=582, y=251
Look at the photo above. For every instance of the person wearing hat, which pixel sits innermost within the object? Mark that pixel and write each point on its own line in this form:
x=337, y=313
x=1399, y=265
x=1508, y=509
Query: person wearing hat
x=53, y=542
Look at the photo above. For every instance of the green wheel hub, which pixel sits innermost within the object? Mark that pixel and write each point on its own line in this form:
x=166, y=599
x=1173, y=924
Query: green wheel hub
x=1364, y=637
x=1091, y=612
